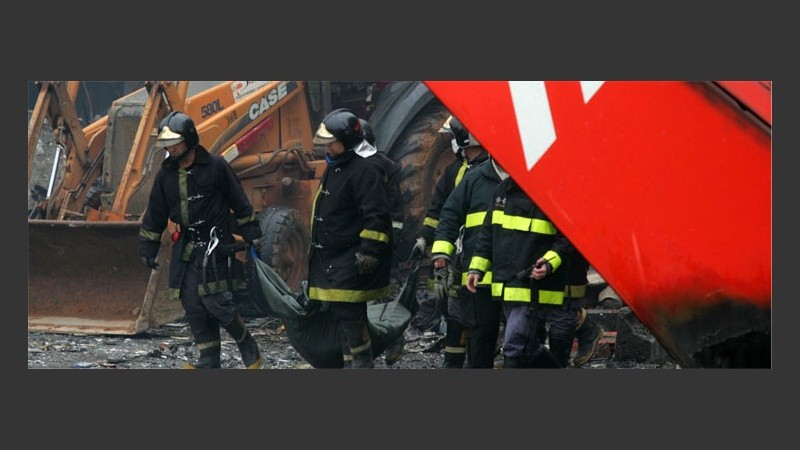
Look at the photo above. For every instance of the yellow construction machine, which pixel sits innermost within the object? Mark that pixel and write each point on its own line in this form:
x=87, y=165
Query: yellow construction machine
x=84, y=274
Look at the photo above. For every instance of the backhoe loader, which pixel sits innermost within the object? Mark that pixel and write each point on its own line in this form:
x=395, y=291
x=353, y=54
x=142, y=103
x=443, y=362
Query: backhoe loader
x=84, y=273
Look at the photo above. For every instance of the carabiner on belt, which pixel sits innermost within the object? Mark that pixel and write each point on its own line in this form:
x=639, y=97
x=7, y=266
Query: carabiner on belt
x=213, y=241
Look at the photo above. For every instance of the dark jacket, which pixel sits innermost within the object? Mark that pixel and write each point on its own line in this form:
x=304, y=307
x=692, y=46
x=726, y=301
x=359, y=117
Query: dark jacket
x=466, y=206
x=351, y=214
x=391, y=177
x=577, y=269
x=449, y=179
x=197, y=199
x=514, y=234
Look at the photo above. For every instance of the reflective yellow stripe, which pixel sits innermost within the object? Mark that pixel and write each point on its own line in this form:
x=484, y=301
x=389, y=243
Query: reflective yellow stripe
x=183, y=193
x=516, y=223
x=543, y=226
x=520, y=294
x=375, y=235
x=497, y=289
x=553, y=258
x=461, y=171
x=487, y=278
x=480, y=263
x=360, y=348
x=347, y=295
x=516, y=294
x=397, y=225
x=247, y=219
x=430, y=222
x=313, y=210
x=187, y=251
x=455, y=349
x=205, y=345
x=174, y=293
x=522, y=223
x=551, y=297
x=442, y=247
x=475, y=219
x=149, y=235
x=575, y=291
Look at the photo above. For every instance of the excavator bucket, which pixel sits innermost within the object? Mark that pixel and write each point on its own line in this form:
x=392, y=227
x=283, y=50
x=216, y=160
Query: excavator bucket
x=114, y=294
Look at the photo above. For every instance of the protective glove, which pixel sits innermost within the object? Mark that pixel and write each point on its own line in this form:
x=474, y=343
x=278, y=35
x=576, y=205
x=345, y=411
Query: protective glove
x=443, y=279
x=420, y=244
x=150, y=262
x=366, y=264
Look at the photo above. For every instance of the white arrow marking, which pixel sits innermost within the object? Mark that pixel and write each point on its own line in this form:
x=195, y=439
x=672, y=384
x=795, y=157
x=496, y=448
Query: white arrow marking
x=589, y=88
x=534, y=119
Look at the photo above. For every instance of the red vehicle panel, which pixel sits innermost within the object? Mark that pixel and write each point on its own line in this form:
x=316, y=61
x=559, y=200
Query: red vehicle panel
x=664, y=186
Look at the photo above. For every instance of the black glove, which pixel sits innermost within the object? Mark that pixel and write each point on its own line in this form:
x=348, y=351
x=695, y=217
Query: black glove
x=366, y=264
x=428, y=233
x=150, y=262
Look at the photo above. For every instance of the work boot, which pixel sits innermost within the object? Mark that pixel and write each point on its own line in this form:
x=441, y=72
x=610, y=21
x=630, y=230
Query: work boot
x=209, y=356
x=248, y=347
x=588, y=335
x=362, y=356
x=455, y=350
x=513, y=362
x=357, y=336
x=205, y=330
x=544, y=359
x=454, y=357
x=561, y=346
x=394, y=350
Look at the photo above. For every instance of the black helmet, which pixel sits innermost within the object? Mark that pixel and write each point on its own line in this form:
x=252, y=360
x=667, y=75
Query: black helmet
x=340, y=124
x=366, y=128
x=176, y=127
x=463, y=137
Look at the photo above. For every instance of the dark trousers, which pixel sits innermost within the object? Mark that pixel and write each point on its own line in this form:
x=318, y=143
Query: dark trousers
x=480, y=316
x=561, y=321
x=220, y=306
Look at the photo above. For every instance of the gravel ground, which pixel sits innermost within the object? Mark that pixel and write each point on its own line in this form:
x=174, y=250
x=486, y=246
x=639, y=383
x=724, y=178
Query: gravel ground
x=170, y=346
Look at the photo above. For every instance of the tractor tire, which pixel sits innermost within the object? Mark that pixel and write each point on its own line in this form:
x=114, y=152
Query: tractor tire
x=422, y=154
x=284, y=244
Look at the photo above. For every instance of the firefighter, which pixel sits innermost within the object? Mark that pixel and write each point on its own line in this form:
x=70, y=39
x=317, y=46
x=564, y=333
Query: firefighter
x=524, y=252
x=350, y=254
x=468, y=155
x=459, y=225
x=197, y=191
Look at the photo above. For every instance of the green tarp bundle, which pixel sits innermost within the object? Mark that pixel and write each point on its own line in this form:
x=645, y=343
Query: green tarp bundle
x=312, y=330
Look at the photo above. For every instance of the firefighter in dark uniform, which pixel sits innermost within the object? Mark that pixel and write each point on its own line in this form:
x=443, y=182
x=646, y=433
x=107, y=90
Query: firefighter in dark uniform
x=467, y=157
x=459, y=226
x=524, y=251
x=350, y=254
x=391, y=173
x=197, y=191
